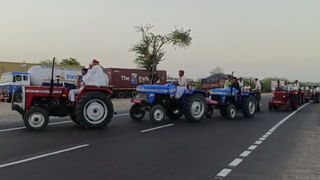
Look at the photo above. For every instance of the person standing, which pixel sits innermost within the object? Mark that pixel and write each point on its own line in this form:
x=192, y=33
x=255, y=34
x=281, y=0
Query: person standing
x=257, y=90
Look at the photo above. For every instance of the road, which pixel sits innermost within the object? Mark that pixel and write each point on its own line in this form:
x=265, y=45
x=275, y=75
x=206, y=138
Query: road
x=244, y=149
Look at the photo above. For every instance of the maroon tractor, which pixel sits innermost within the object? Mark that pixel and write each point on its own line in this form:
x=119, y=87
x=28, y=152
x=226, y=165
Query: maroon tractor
x=93, y=107
x=290, y=100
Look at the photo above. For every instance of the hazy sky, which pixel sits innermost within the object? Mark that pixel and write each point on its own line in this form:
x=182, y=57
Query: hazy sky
x=252, y=37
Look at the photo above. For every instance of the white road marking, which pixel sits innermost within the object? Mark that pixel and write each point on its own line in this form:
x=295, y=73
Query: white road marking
x=51, y=124
x=119, y=115
x=245, y=153
x=265, y=136
x=262, y=139
x=235, y=162
x=252, y=147
x=268, y=133
x=155, y=128
x=43, y=156
x=224, y=172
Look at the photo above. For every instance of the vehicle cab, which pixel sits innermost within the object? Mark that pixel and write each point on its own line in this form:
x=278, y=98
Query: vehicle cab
x=12, y=81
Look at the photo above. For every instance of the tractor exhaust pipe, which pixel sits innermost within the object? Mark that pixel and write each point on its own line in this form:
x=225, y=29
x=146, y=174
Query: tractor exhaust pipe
x=52, y=74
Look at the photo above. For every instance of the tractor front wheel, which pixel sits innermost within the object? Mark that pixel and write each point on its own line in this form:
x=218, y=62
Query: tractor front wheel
x=231, y=112
x=136, y=112
x=249, y=107
x=36, y=118
x=157, y=114
x=94, y=110
x=210, y=111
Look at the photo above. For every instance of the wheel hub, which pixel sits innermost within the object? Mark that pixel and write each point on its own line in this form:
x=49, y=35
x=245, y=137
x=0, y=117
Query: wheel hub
x=95, y=111
x=252, y=107
x=197, y=109
x=158, y=115
x=36, y=120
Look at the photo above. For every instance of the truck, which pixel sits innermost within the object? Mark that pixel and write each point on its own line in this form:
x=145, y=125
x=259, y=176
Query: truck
x=12, y=81
x=124, y=81
x=37, y=76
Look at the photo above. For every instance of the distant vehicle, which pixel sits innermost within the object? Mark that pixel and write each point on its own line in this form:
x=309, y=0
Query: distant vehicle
x=125, y=81
x=12, y=81
x=36, y=76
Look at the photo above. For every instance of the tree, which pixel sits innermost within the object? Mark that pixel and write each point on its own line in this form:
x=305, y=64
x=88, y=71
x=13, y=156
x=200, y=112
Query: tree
x=216, y=70
x=70, y=62
x=150, y=50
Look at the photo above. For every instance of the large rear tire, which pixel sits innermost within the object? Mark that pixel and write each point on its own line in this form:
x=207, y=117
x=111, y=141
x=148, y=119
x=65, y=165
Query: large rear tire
x=36, y=119
x=249, y=107
x=94, y=110
x=157, y=114
x=195, y=108
x=136, y=112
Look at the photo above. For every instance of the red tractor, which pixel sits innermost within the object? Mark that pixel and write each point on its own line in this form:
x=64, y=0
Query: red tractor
x=288, y=99
x=92, y=108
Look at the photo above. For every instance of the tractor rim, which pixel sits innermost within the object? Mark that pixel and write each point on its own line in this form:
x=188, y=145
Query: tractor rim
x=197, y=108
x=36, y=120
x=232, y=112
x=252, y=107
x=95, y=111
x=158, y=115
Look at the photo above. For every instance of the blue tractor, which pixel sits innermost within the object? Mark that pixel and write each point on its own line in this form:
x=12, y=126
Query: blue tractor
x=160, y=101
x=230, y=100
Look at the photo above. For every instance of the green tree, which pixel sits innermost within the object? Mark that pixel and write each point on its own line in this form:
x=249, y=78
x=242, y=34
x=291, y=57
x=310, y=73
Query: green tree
x=150, y=50
x=70, y=62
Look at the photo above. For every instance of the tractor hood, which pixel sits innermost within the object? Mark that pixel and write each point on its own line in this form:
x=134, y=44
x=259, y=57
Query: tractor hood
x=157, y=89
x=223, y=92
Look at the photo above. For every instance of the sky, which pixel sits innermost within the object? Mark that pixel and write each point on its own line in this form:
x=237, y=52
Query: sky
x=254, y=38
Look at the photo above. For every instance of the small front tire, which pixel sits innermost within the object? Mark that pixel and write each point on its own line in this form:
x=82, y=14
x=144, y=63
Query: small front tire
x=136, y=112
x=157, y=114
x=36, y=119
x=231, y=112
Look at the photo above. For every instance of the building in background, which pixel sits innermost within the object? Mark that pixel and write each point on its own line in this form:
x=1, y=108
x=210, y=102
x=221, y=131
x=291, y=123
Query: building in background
x=214, y=81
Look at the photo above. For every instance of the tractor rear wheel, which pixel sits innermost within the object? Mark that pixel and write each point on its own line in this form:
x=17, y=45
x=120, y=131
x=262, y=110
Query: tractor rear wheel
x=36, y=118
x=195, y=108
x=136, y=112
x=249, y=107
x=231, y=112
x=94, y=110
x=157, y=114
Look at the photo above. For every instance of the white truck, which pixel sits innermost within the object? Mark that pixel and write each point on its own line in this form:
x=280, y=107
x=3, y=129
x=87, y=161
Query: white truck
x=36, y=76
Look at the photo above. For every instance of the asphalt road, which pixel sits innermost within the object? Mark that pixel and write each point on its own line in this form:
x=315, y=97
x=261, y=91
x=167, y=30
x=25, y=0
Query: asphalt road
x=244, y=149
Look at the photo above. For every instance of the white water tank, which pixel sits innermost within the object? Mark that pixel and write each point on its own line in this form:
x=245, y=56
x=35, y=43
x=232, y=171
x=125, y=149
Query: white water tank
x=42, y=74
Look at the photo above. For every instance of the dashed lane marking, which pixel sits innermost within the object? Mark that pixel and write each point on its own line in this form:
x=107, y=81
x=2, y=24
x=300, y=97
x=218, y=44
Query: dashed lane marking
x=226, y=171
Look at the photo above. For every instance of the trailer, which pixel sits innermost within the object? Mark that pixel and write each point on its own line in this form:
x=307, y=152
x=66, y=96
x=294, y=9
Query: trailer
x=124, y=80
